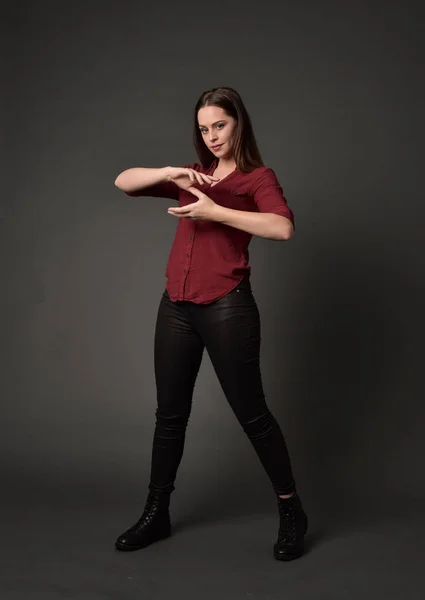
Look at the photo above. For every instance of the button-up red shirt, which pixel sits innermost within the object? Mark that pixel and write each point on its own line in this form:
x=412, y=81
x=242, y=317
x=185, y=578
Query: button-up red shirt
x=208, y=259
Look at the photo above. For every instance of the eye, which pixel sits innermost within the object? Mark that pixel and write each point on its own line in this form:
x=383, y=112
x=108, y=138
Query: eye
x=202, y=131
x=220, y=125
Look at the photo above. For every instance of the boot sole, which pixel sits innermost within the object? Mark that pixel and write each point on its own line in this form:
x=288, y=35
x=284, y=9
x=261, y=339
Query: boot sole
x=127, y=548
x=288, y=556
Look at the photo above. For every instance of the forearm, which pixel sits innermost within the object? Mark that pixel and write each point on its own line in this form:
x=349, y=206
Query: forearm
x=138, y=178
x=267, y=225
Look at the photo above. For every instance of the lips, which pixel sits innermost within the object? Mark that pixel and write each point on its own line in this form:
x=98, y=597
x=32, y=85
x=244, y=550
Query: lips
x=216, y=147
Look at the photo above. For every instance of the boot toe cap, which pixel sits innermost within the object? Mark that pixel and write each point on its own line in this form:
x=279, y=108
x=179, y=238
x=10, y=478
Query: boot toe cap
x=126, y=541
x=288, y=551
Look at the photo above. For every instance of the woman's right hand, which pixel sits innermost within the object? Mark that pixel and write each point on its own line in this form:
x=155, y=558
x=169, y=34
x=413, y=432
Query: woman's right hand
x=185, y=177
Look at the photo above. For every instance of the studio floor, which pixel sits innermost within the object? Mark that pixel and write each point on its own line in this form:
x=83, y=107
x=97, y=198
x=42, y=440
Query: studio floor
x=54, y=548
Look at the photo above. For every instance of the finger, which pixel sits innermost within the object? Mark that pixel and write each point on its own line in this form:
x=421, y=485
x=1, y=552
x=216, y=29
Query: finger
x=195, y=192
x=199, y=178
x=211, y=178
x=191, y=176
x=196, y=176
x=181, y=210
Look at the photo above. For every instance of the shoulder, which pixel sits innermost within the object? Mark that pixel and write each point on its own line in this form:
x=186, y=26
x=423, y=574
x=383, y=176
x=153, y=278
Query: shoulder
x=260, y=177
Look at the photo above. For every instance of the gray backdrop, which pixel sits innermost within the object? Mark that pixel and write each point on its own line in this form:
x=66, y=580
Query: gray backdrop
x=336, y=95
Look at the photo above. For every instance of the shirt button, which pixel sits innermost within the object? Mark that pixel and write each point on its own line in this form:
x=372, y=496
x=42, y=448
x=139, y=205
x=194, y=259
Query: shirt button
x=185, y=271
x=190, y=237
x=187, y=254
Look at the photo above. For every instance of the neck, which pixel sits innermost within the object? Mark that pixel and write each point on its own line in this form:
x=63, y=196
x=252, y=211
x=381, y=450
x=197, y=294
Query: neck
x=227, y=164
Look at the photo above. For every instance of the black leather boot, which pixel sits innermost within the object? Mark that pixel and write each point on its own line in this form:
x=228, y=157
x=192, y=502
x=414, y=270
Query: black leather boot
x=153, y=525
x=292, y=528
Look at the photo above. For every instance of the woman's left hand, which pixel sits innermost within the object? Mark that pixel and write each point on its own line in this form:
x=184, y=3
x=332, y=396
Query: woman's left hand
x=204, y=209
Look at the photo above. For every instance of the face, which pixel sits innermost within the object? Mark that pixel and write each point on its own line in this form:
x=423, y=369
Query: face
x=217, y=128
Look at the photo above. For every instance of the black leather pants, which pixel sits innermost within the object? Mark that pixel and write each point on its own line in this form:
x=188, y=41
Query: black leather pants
x=229, y=329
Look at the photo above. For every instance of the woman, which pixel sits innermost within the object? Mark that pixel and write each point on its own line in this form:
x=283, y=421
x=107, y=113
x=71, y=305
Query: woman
x=208, y=303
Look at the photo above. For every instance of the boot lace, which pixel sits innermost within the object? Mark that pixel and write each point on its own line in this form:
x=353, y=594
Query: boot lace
x=288, y=523
x=151, y=508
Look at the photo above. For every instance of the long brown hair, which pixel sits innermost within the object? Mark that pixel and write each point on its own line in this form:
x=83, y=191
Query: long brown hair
x=245, y=150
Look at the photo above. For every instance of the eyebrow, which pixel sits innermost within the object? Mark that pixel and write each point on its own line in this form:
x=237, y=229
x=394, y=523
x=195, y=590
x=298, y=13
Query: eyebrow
x=213, y=123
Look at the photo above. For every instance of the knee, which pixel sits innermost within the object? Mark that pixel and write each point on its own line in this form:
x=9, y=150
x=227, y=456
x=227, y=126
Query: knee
x=172, y=419
x=259, y=427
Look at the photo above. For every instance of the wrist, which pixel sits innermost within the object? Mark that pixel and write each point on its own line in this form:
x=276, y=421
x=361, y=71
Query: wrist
x=166, y=172
x=221, y=214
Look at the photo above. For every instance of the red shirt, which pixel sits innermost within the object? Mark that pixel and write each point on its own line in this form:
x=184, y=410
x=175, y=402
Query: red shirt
x=208, y=259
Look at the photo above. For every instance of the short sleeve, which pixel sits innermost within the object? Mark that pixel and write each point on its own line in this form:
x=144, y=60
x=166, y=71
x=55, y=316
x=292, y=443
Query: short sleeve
x=167, y=189
x=268, y=195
